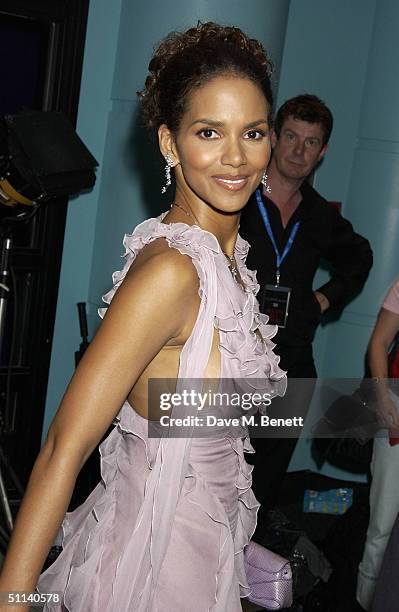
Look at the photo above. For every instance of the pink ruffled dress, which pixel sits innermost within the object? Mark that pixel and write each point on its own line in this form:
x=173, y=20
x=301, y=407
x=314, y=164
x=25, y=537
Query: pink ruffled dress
x=165, y=529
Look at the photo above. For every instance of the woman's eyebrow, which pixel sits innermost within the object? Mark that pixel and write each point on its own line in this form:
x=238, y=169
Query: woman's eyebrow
x=214, y=123
x=208, y=122
x=256, y=123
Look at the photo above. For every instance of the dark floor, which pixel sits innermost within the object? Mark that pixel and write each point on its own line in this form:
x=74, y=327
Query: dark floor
x=339, y=538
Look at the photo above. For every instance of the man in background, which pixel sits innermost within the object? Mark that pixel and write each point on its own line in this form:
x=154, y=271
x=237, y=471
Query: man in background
x=291, y=228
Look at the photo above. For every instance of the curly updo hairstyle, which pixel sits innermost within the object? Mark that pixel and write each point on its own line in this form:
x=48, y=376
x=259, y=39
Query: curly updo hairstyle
x=185, y=61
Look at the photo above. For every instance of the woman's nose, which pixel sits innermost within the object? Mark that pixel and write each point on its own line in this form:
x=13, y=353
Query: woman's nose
x=234, y=153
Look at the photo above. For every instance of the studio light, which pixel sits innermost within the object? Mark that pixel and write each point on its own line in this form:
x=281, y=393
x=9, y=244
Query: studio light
x=42, y=158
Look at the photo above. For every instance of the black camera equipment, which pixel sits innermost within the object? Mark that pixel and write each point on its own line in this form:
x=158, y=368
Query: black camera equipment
x=41, y=159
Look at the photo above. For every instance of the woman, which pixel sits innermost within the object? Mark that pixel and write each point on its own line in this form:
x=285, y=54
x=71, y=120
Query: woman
x=384, y=491
x=166, y=527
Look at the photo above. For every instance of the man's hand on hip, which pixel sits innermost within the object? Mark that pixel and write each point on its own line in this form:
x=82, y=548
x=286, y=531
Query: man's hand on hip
x=323, y=301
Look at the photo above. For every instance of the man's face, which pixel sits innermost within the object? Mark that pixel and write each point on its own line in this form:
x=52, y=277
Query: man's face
x=298, y=149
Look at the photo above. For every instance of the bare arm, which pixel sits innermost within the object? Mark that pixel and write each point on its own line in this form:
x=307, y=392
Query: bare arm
x=149, y=310
x=383, y=334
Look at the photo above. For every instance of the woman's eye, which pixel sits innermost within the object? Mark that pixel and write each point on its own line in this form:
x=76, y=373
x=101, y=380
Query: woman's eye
x=208, y=134
x=255, y=134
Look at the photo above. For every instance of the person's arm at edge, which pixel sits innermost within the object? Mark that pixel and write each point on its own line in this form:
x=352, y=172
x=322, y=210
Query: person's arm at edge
x=385, y=330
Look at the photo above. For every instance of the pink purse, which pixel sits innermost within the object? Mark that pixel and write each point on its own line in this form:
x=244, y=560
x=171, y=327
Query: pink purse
x=269, y=577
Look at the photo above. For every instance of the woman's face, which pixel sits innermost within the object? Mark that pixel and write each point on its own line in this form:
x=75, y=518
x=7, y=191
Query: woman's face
x=222, y=145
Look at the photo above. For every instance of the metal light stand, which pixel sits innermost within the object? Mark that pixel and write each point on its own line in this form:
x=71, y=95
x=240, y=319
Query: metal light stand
x=4, y=296
x=5, y=467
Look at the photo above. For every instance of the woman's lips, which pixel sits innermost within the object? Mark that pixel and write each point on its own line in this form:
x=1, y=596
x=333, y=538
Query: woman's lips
x=231, y=183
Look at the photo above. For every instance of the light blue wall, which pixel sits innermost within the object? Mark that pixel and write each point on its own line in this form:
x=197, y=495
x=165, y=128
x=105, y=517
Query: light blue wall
x=347, y=53
x=94, y=107
x=326, y=53
x=375, y=172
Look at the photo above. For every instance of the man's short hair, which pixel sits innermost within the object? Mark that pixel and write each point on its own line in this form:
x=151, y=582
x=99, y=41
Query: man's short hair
x=306, y=107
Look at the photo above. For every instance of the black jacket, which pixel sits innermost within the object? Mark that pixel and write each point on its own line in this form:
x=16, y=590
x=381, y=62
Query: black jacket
x=323, y=234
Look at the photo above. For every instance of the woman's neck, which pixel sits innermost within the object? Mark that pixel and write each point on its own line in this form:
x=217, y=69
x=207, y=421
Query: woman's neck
x=223, y=226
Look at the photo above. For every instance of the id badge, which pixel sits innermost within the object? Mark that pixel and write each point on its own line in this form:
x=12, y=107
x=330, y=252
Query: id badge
x=276, y=300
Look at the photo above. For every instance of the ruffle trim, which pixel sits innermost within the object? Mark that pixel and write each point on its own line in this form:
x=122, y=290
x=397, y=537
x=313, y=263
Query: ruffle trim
x=195, y=488
x=245, y=335
x=188, y=239
x=85, y=535
x=87, y=529
x=246, y=340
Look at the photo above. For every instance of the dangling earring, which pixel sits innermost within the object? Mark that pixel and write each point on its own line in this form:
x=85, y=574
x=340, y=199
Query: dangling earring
x=169, y=165
x=265, y=184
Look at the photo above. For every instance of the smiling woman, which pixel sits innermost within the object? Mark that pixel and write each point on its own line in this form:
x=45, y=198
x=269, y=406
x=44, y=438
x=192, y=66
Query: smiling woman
x=222, y=146
x=167, y=526
x=211, y=110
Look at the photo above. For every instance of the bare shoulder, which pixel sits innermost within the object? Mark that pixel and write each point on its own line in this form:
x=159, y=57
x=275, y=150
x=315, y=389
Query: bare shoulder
x=159, y=264
x=161, y=284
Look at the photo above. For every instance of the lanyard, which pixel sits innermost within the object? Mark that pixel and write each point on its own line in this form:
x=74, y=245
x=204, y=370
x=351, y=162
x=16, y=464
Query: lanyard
x=290, y=241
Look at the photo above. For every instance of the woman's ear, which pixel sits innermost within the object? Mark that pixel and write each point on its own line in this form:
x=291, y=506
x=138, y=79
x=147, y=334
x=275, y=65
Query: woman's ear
x=167, y=143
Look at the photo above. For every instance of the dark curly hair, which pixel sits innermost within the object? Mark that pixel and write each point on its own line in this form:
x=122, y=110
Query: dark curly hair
x=187, y=60
x=306, y=107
